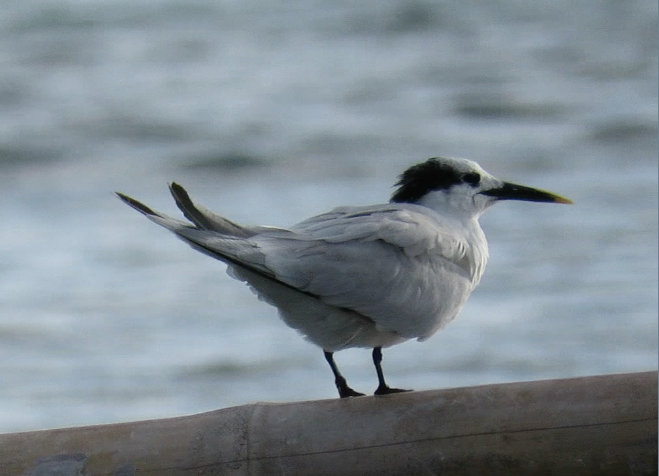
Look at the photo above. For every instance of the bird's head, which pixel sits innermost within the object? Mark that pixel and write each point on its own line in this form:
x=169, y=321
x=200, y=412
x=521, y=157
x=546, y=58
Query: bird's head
x=461, y=186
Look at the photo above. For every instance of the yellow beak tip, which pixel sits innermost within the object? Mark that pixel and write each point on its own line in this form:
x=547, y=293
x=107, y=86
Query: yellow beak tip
x=567, y=201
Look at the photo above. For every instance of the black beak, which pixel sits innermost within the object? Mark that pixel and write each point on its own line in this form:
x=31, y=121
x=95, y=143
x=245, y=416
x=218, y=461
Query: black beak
x=511, y=191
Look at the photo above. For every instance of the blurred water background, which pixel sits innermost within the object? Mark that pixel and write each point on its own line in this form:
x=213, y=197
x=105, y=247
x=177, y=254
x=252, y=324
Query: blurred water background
x=270, y=111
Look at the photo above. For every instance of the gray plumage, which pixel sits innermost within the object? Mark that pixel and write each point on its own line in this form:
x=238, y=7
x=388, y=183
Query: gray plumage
x=368, y=276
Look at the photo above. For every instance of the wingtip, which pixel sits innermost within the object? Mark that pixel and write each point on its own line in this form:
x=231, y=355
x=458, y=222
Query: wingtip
x=183, y=201
x=122, y=197
x=177, y=191
x=140, y=207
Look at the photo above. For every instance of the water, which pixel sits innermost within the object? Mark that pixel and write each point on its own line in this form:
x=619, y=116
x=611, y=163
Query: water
x=270, y=112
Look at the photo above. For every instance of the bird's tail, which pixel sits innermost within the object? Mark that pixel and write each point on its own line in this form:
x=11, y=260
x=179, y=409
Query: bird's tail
x=209, y=233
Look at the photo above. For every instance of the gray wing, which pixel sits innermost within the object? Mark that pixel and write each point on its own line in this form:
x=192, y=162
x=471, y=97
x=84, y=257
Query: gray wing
x=203, y=218
x=211, y=234
x=396, y=265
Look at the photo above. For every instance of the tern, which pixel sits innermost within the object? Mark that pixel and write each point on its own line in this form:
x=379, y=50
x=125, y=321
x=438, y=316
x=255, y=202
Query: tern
x=363, y=276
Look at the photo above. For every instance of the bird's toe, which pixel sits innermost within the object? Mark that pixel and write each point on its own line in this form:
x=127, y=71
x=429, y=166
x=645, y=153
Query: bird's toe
x=385, y=390
x=348, y=392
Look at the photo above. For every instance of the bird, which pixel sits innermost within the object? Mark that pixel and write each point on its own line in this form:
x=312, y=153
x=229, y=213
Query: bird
x=368, y=276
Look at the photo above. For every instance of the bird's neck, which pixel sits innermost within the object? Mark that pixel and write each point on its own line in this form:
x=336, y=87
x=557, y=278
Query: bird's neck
x=459, y=207
x=478, y=248
x=464, y=223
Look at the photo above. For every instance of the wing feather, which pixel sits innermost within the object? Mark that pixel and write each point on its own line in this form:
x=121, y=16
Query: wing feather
x=397, y=266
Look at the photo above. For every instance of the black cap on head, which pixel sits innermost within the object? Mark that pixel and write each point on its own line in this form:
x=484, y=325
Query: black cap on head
x=418, y=180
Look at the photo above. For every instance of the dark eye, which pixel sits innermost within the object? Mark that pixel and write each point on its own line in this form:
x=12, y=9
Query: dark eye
x=472, y=178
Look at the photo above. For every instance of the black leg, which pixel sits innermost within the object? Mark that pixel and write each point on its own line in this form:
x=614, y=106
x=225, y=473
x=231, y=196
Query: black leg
x=341, y=384
x=383, y=388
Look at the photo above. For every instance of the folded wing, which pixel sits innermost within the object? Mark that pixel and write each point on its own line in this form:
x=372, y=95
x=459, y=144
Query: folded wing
x=394, y=264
